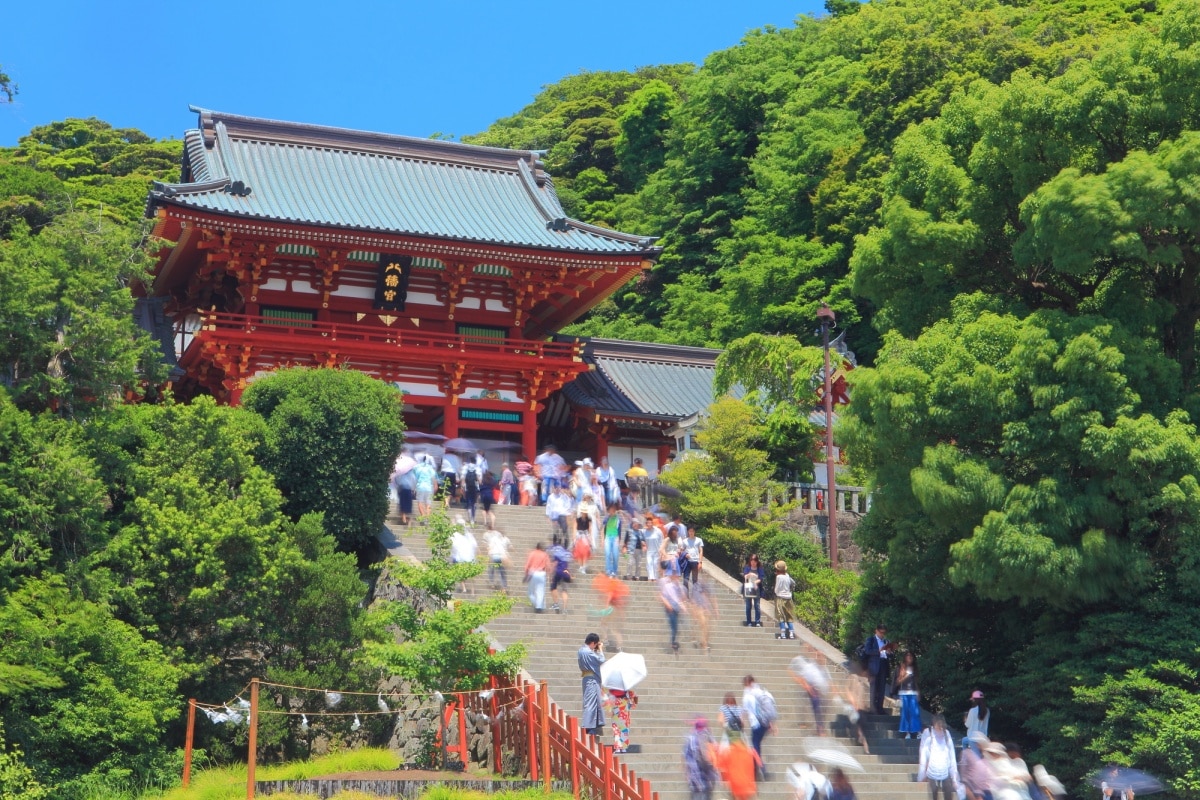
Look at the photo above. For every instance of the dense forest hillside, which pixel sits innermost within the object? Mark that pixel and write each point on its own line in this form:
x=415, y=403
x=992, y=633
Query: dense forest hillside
x=760, y=168
x=1001, y=200
x=152, y=551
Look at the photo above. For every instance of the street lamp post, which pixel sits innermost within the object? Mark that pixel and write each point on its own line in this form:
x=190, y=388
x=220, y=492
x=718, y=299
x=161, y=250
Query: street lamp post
x=827, y=319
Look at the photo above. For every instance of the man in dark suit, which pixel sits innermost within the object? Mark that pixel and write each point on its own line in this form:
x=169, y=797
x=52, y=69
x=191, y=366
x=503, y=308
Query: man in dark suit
x=879, y=666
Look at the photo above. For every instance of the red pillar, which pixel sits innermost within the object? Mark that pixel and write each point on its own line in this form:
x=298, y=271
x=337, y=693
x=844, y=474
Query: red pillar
x=601, y=446
x=664, y=452
x=450, y=421
x=529, y=446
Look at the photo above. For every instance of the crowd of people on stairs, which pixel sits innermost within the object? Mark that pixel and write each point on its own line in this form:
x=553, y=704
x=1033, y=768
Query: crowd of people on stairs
x=588, y=510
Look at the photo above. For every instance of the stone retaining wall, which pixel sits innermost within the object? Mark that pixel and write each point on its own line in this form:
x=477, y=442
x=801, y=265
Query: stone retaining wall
x=417, y=718
x=328, y=787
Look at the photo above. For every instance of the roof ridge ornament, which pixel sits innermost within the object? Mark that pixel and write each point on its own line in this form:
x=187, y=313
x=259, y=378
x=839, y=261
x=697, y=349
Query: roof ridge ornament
x=559, y=224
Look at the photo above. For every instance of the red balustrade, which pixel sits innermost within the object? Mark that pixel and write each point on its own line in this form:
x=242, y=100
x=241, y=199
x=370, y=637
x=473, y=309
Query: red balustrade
x=303, y=333
x=532, y=731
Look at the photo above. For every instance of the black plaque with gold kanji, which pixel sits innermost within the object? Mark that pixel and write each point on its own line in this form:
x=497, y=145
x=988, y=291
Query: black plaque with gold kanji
x=391, y=287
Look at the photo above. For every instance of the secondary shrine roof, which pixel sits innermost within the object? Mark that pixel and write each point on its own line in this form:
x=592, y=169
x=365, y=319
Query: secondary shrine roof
x=637, y=378
x=333, y=177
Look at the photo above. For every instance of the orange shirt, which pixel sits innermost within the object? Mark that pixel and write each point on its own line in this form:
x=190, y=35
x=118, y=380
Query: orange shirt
x=737, y=764
x=538, y=561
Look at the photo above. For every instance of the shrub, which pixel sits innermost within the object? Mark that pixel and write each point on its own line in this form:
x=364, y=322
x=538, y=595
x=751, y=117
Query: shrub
x=332, y=438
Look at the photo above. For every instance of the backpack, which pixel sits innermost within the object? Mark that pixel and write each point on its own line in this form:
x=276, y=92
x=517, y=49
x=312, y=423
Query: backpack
x=471, y=478
x=732, y=720
x=767, y=712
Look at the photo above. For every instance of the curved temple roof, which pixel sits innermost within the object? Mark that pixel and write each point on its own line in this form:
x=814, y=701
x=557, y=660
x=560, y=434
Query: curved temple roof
x=333, y=177
x=643, y=379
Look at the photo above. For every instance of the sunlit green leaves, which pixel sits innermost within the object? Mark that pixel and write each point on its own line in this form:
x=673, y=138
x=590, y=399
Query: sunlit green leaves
x=332, y=438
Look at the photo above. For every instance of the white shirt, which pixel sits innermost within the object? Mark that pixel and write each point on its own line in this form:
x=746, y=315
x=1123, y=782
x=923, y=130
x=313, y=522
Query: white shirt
x=463, y=547
x=975, y=724
x=750, y=703
x=497, y=544
x=937, y=757
x=558, y=505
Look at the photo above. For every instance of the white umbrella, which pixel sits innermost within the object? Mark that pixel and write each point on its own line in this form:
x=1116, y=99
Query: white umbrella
x=623, y=671
x=808, y=783
x=821, y=751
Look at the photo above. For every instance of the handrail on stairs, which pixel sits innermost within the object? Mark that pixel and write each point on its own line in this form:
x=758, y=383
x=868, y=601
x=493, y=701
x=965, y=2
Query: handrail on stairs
x=548, y=744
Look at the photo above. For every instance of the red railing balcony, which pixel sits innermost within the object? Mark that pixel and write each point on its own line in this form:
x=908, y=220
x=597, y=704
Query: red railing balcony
x=308, y=337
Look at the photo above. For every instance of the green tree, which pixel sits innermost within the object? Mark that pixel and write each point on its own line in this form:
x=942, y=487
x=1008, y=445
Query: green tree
x=7, y=87
x=29, y=195
x=115, y=689
x=781, y=377
x=1035, y=497
x=332, y=438
x=1061, y=191
x=104, y=167
x=50, y=497
x=582, y=120
x=201, y=549
x=725, y=489
x=17, y=780
x=439, y=644
x=644, y=120
x=68, y=341
x=779, y=155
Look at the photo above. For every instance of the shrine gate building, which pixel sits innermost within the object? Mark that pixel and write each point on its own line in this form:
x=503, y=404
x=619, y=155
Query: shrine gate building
x=439, y=267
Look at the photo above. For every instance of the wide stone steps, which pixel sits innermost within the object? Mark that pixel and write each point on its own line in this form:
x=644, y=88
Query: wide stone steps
x=685, y=684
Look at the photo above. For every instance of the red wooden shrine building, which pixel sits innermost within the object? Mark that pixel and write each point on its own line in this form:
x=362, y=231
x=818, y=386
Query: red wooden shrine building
x=442, y=268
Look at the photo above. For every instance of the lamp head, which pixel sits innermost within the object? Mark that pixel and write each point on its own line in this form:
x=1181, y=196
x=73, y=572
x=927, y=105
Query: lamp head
x=825, y=315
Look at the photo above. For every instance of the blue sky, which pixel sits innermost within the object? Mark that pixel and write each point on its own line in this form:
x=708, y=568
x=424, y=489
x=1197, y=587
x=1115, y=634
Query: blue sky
x=413, y=68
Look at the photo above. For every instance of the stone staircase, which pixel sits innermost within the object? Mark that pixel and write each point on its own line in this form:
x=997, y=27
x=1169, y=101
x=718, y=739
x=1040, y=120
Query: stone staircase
x=692, y=682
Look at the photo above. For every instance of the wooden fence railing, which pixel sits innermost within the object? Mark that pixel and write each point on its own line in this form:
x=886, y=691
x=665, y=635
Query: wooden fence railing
x=530, y=735
x=537, y=737
x=806, y=496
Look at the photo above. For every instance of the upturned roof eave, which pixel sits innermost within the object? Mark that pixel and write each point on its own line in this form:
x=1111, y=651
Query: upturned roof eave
x=308, y=134
x=174, y=194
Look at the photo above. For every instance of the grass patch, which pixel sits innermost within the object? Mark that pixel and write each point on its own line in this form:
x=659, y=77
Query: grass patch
x=229, y=783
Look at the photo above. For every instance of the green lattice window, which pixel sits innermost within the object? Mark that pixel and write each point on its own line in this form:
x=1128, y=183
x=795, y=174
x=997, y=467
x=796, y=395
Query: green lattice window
x=482, y=333
x=469, y=414
x=291, y=317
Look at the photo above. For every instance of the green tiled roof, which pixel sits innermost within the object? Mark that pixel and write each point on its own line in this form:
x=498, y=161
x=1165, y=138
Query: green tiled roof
x=331, y=177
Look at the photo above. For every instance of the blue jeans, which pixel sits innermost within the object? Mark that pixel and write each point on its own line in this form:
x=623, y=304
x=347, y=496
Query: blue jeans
x=756, y=739
x=547, y=485
x=673, y=624
x=612, y=556
x=753, y=602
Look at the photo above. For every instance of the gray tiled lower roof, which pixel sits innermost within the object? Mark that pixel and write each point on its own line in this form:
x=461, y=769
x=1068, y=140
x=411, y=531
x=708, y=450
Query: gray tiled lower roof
x=314, y=175
x=661, y=388
x=638, y=378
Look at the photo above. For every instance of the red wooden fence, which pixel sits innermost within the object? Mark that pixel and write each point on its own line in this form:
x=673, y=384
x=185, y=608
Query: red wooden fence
x=532, y=734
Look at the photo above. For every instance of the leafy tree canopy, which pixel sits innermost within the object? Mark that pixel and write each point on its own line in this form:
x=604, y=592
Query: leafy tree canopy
x=101, y=165
x=1035, y=492
x=68, y=341
x=1068, y=191
x=332, y=438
